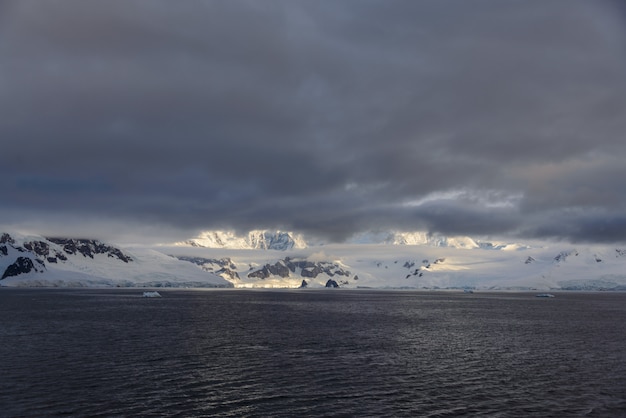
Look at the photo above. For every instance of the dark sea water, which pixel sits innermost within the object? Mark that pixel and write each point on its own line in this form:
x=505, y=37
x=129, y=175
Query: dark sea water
x=71, y=352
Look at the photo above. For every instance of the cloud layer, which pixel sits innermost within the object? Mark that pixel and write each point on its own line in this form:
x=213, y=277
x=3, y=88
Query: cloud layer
x=502, y=118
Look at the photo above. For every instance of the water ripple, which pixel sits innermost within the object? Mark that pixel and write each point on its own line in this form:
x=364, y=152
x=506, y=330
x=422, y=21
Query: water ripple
x=233, y=353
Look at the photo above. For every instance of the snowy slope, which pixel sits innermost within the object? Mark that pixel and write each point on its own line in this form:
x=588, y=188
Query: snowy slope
x=421, y=267
x=39, y=261
x=408, y=261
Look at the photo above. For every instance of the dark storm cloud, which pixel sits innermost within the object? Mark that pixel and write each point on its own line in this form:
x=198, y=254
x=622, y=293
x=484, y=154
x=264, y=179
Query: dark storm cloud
x=461, y=117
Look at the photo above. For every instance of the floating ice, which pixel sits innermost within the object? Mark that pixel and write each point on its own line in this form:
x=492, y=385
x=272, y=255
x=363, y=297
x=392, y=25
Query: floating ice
x=545, y=295
x=151, y=294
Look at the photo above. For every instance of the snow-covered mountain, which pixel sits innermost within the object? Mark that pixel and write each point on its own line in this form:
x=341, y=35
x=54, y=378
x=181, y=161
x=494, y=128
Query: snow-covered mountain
x=284, y=272
x=283, y=241
x=413, y=238
x=406, y=261
x=253, y=240
x=39, y=261
x=418, y=267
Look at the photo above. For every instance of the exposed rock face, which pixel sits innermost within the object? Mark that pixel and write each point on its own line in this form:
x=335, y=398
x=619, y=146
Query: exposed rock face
x=23, y=265
x=201, y=261
x=309, y=269
x=42, y=249
x=6, y=239
x=38, y=247
x=332, y=283
x=88, y=248
x=223, y=266
x=233, y=275
x=277, y=269
x=563, y=255
x=267, y=240
x=304, y=284
x=37, y=252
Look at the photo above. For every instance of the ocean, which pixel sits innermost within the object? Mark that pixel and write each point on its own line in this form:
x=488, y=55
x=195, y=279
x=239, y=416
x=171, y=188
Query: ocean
x=326, y=352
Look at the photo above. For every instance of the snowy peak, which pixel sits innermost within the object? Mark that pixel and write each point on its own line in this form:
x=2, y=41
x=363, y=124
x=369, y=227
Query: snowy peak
x=282, y=241
x=253, y=240
x=267, y=240
x=424, y=238
x=414, y=238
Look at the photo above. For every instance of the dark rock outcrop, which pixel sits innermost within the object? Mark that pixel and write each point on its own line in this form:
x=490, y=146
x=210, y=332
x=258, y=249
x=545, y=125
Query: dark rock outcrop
x=264, y=273
x=308, y=269
x=563, y=255
x=40, y=248
x=277, y=269
x=233, y=275
x=311, y=270
x=6, y=239
x=23, y=265
x=88, y=248
x=209, y=263
x=332, y=283
x=222, y=267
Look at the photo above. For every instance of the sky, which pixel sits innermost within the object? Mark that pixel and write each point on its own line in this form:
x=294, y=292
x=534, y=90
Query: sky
x=153, y=120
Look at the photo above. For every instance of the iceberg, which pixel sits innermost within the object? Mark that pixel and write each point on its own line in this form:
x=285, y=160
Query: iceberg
x=154, y=294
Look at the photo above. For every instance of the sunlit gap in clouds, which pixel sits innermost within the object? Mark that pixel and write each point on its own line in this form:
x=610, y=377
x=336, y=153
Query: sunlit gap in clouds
x=481, y=198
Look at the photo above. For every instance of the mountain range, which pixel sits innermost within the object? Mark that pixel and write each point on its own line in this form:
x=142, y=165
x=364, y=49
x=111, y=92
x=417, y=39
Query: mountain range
x=253, y=240
x=283, y=241
x=71, y=262
x=278, y=259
